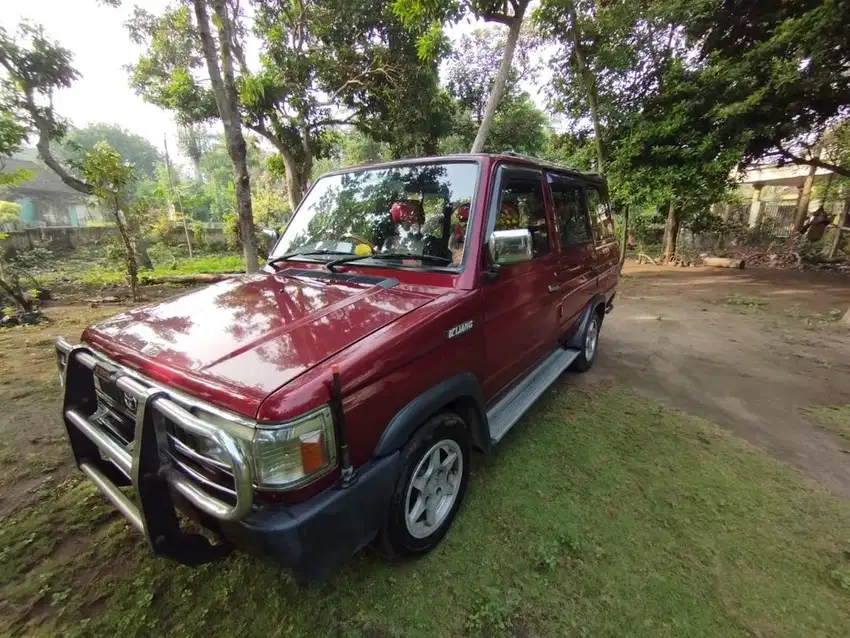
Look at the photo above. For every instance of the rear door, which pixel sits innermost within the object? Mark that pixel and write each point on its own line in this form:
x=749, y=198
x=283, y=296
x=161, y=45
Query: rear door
x=577, y=257
x=519, y=307
x=602, y=223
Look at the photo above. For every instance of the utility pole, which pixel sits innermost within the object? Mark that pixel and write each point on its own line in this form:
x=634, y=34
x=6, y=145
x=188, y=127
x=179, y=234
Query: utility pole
x=179, y=199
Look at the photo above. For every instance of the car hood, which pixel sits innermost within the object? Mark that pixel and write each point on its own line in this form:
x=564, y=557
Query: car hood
x=237, y=341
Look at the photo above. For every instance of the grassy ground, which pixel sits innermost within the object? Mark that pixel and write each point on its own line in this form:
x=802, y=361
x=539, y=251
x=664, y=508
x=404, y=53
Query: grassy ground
x=95, y=272
x=835, y=418
x=600, y=515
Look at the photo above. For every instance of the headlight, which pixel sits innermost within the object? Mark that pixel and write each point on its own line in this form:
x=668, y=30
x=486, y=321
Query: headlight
x=289, y=453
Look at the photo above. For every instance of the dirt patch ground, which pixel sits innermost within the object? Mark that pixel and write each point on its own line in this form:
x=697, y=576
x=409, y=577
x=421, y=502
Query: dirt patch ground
x=747, y=349
x=34, y=455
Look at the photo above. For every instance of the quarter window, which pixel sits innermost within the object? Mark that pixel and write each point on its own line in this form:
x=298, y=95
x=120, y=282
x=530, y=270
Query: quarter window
x=570, y=213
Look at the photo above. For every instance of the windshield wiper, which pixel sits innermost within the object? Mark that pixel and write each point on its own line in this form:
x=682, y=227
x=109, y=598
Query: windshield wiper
x=299, y=253
x=331, y=265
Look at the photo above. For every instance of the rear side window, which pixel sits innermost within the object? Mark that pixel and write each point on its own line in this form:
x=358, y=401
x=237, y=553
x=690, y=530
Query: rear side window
x=570, y=214
x=521, y=205
x=600, y=215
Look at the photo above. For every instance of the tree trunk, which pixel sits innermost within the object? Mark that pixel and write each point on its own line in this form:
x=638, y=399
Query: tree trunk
x=842, y=222
x=624, y=242
x=803, y=203
x=589, y=82
x=179, y=199
x=671, y=233
x=514, y=27
x=129, y=249
x=15, y=292
x=196, y=168
x=142, y=256
x=723, y=262
x=294, y=183
x=226, y=98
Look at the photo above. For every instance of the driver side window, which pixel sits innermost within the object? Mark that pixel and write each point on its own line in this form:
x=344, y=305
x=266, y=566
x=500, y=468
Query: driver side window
x=521, y=205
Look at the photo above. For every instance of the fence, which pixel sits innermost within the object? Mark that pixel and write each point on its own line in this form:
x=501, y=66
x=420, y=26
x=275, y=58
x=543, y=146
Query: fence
x=71, y=237
x=776, y=219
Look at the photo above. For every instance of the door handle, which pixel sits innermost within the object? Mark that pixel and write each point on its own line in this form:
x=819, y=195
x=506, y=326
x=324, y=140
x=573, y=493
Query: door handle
x=554, y=287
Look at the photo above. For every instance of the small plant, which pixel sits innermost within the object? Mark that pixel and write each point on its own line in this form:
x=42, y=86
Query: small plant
x=34, y=257
x=491, y=614
x=840, y=578
x=546, y=558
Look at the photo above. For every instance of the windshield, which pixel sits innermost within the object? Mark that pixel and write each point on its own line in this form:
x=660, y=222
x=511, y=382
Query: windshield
x=409, y=210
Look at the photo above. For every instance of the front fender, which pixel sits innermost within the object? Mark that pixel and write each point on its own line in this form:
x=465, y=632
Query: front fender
x=577, y=334
x=463, y=386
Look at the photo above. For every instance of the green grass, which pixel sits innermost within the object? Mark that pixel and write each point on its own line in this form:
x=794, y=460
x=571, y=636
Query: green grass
x=835, y=418
x=96, y=274
x=600, y=515
x=745, y=304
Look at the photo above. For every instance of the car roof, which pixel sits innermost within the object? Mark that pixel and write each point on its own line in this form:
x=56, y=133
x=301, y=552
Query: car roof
x=509, y=156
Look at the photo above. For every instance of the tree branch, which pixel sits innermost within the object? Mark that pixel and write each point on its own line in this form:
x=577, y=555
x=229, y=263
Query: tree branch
x=812, y=161
x=497, y=17
x=357, y=79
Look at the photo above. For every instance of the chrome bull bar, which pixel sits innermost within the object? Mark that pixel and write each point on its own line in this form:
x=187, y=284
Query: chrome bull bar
x=144, y=464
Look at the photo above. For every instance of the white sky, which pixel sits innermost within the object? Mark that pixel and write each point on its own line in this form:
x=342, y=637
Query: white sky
x=101, y=47
x=98, y=39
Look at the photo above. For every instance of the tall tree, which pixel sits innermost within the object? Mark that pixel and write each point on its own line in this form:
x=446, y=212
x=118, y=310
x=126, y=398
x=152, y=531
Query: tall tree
x=193, y=140
x=509, y=13
x=219, y=56
x=35, y=67
x=785, y=64
x=133, y=148
x=471, y=68
x=322, y=65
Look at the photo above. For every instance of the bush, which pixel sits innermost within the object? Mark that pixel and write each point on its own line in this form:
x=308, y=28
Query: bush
x=35, y=257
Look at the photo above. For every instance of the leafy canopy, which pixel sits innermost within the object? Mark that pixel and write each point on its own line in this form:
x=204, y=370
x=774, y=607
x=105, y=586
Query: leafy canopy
x=132, y=148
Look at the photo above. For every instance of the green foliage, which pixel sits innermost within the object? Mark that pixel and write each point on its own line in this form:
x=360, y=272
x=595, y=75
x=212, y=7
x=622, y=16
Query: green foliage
x=471, y=68
x=470, y=73
x=168, y=73
x=12, y=133
x=9, y=212
x=658, y=112
x=133, y=149
x=106, y=171
x=36, y=67
x=783, y=83
x=34, y=257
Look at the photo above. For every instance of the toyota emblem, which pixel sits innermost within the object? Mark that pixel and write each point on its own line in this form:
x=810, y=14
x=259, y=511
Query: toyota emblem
x=131, y=402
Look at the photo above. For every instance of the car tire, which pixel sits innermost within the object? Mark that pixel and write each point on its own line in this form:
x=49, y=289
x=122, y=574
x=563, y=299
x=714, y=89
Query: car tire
x=430, y=488
x=590, y=344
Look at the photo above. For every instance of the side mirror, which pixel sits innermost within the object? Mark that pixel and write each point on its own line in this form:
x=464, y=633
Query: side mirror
x=509, y=246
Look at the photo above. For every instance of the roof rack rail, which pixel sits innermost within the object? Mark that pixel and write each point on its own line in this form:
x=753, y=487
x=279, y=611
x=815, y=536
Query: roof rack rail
x=547, y=163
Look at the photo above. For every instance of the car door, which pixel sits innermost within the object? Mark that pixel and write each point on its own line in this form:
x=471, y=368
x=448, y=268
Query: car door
x=519, y=300
x=577, y=255
x=602, y=223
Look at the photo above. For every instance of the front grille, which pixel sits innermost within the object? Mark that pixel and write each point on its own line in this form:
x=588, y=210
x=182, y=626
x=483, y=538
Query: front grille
x=114, y=409
x=212, y=474
x=116, y=413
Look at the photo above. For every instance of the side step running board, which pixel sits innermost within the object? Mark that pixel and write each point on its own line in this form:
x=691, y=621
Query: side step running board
x=521, y=397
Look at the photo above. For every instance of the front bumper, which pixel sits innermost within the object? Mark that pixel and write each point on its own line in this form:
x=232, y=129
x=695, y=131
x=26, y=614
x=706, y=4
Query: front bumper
x=313, y=538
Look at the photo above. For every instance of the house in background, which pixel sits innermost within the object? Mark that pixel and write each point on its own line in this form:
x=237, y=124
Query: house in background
x=771, y=197
x=44, y=199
